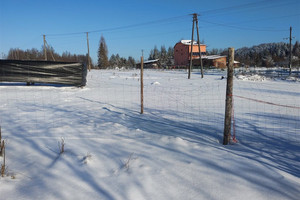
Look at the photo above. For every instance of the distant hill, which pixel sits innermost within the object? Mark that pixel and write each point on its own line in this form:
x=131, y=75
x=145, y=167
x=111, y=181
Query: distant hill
x=268, y=55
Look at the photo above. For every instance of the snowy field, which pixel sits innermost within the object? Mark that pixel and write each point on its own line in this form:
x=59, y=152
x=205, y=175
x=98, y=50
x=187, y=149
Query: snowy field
x=173, y=151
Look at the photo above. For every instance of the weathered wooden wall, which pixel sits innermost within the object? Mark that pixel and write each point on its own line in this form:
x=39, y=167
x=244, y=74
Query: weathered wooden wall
x=47, y=72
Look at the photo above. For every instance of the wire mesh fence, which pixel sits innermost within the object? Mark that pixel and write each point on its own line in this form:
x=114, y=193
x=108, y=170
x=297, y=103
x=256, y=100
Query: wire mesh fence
x=196, y=106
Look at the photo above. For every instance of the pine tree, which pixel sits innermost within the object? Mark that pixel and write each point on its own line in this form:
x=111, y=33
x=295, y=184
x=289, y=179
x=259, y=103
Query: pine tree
x=163, y=56
x=170, y=52
x=118, y=60
x=296, y=49
x=103, y=62
x=131, y=61
x=151, y=55
x=113, y=61
x=170, y=55
x=156, y=53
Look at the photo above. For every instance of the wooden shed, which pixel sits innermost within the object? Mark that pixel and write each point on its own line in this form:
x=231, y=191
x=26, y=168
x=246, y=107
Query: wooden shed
x=45, y=72
x=214, y=61
x=150, y=64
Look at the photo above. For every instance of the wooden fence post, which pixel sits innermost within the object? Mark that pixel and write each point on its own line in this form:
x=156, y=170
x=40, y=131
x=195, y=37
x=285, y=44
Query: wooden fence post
x=228, y=106
x=3, y=165
x=1, y=147
x=142, y=85
x=1, y=143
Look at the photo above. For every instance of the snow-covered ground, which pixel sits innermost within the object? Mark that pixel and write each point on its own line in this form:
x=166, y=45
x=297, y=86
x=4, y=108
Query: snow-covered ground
x=172, y=151
x=263, y=73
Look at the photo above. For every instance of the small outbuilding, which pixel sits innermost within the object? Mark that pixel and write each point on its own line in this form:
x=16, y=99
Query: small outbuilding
x=214, y=61
x=45, y=72
x=150, y=64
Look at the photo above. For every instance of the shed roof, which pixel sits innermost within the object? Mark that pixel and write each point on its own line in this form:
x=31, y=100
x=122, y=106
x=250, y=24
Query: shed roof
x=212, y=57
x=151, y=61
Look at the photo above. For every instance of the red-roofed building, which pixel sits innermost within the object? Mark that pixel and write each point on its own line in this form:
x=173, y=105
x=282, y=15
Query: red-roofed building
x=182, y=52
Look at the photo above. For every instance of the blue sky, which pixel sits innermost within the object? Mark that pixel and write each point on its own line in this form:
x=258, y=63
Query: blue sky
x=130, y=26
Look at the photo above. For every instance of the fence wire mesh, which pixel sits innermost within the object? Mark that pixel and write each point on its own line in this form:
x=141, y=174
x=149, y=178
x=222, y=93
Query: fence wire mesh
x=262, y=108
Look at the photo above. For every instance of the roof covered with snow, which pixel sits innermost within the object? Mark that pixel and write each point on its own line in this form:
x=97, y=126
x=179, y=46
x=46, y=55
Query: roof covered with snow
x=212, y=57
x=188, y=42
x=151, y=61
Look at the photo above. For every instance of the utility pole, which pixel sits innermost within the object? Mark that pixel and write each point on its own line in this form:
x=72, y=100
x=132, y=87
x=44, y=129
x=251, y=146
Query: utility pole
x=290, y=56
x=199, y=46
x=88, y=47
x=142, y=82
x=228, y=106
x=50, y=51
x=290, y=62
x=192, y=44
x=45, y=50
x=195, y=19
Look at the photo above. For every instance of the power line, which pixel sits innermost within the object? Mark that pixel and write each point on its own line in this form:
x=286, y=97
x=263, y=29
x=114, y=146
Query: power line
x=234, y=7
x=266, y=19
x=121, y=27
x=232, y=25
x=244, y=28
x=254, y=5
x=259, y=29
x=69, y=40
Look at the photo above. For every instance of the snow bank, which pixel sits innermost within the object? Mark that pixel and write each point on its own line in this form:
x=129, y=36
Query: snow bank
x=255, y=77
x=155, y=83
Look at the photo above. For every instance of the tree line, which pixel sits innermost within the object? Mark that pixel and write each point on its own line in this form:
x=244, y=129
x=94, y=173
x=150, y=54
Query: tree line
x=164, y=56
x=115, y=61
x=102, y=63
x=267, y=55
x=35, y=54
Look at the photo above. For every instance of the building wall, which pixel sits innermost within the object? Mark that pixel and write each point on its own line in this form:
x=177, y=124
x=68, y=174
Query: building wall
x=182, y=53
x=196, y=50
x=220, y=62
x=216, y=62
